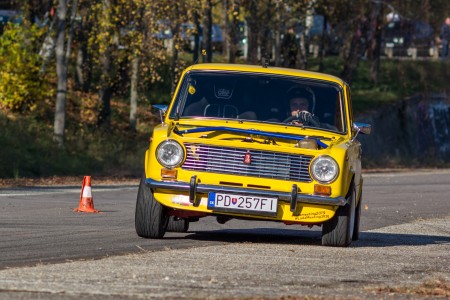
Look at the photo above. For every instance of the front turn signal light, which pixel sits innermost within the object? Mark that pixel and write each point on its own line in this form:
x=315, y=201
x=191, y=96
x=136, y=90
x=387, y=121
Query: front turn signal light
x=322, y=190
x=168, y=173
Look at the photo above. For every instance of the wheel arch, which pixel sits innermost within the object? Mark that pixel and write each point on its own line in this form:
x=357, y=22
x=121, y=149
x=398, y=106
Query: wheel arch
x=349, y=183
x=359, y=191
x=147, y=158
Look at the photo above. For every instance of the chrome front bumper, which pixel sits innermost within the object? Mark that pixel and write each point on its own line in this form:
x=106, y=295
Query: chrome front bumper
x=193, y=187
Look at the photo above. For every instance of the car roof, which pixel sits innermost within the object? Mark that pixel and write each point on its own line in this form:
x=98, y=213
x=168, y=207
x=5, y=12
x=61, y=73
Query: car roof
x=268, y=70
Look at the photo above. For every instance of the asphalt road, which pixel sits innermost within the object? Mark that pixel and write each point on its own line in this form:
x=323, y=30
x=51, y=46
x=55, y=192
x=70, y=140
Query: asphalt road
x=42, y=242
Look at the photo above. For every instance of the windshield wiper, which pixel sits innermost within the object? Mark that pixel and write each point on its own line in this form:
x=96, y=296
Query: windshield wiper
x=291, y=137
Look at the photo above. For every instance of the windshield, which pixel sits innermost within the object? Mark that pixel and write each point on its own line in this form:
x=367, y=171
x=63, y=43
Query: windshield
x=286, y=100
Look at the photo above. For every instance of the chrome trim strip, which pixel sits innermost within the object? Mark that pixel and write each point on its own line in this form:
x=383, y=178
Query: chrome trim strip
x=206, y=188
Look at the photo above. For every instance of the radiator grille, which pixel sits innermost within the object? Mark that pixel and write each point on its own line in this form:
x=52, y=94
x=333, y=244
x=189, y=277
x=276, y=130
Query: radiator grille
x=264, y=164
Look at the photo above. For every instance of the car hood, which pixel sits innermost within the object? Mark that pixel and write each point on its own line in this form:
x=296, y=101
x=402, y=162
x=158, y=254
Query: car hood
x=251, y=131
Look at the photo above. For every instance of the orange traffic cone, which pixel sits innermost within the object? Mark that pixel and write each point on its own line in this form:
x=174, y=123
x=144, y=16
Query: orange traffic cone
x=86, y=200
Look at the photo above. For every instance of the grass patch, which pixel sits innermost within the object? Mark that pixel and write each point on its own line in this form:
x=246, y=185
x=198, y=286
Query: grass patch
x=29, y=150
x=432, y=288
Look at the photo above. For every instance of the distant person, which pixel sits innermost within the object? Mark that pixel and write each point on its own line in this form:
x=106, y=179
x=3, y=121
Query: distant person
x=444, y=35
x=290, y=48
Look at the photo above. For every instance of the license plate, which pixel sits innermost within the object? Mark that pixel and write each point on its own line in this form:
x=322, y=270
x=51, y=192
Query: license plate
x=258, y=205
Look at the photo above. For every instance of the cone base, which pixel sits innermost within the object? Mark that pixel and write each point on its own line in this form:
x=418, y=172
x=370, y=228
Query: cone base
x=86, y=205
x=86, y=210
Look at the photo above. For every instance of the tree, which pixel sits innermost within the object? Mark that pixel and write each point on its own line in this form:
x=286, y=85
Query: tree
x=136, y=53
x=225, y=28
x=62, y=59
x=22, y=87
x=233, y=31
x=196, y=33
x=358, y=29
x=106, y=34
x=253, y=24
x=374, y=41
x=207, y=30
x=84, y=56
x=279, y=10
x=145, y=53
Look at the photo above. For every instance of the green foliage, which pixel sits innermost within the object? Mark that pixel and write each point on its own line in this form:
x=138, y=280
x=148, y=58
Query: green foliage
x=398, y=79
x=21, y=85
x=32, y=153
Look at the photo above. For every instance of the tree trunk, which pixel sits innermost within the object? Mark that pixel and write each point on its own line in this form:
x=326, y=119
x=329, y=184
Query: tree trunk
x=323, y=43
x=48, y=46
x=61, y=73
x=62, y=61
x=253, y=32
x=352, y=60
x=80, y=81
x=302, y=53
x=233, y=32
x=31, y=7
x=83, y=69
x=134, y=92
x=196, y=50
x=135, y=62
x=225, y=29
x=375, y=43
x=105, y=90
x=74, y=9
x=174, y=59
x=425, y=9
x=278, y=36
x=266, y=40
x=207, y=32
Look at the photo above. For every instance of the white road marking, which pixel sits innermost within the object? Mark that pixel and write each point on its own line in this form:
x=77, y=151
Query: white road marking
x=32, y=191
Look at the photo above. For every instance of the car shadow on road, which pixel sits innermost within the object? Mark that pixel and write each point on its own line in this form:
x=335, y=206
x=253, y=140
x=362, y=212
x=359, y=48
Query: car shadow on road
x=313, y=237
x=382, y=239
x=259, y=235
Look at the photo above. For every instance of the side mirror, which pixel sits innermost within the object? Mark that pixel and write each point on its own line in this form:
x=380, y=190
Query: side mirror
x=162, y=111
x=362, y=127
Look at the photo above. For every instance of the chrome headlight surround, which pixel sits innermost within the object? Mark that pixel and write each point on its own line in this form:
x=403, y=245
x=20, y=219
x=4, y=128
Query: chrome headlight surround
x=324, y=169
x=170, y=154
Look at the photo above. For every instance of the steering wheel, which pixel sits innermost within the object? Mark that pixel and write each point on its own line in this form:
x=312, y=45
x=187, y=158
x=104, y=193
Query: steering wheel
x=304, y=117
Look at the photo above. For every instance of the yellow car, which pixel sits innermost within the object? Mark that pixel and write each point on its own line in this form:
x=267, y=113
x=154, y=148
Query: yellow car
x=256, y=143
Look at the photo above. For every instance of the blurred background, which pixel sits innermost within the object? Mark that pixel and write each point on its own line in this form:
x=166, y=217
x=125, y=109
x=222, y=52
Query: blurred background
x=78, y=77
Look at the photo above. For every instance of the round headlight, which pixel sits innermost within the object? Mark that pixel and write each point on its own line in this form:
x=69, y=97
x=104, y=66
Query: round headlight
x=324, y=169
x=170, y=154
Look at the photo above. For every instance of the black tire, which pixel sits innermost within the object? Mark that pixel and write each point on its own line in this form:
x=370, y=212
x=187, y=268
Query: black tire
x=338, y=231
x=150, y=218
x=355, y=236
x=177, y=225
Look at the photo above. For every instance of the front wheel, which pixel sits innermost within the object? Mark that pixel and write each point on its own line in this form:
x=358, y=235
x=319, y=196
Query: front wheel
x=150, y=218
x=338, y=231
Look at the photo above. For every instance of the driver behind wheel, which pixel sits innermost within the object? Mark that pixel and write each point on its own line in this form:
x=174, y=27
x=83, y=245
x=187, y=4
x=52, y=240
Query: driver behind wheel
x=300, y=109
x=298, y=104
